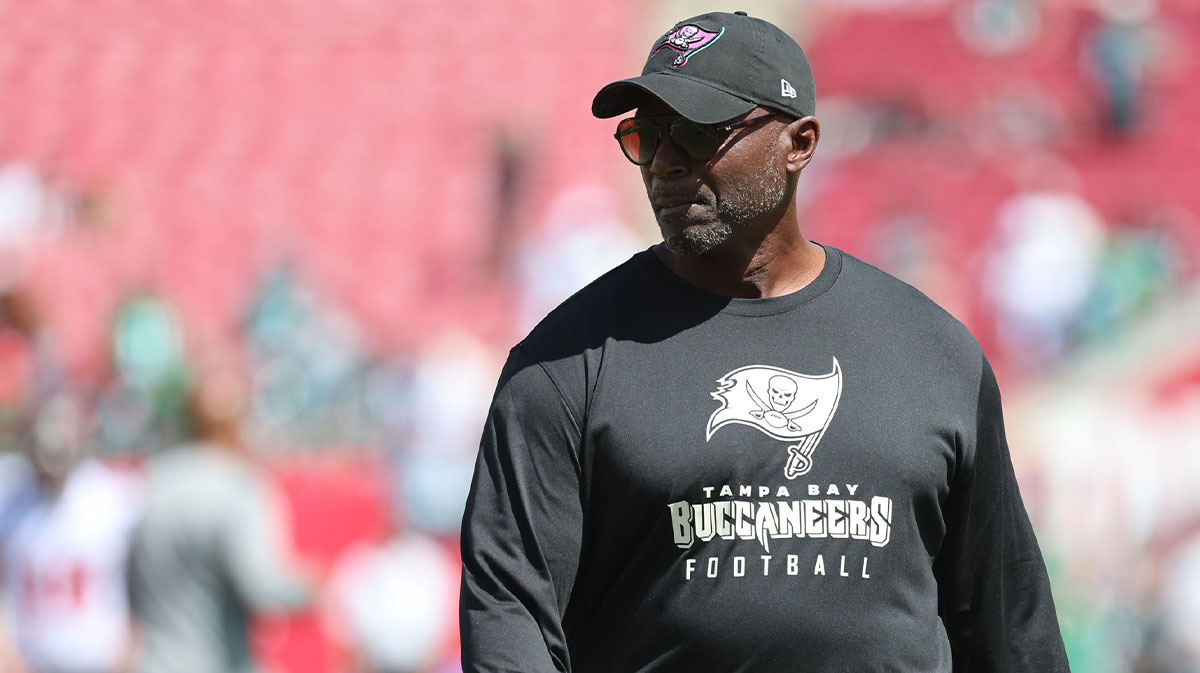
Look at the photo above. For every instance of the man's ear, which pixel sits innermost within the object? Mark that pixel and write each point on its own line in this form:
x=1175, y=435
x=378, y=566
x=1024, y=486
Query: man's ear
x=803, y=134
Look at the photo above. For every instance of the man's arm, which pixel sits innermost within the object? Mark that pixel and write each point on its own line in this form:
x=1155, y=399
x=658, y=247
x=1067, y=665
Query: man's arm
x=994, y=591
x=521, y=533
x=258, y=555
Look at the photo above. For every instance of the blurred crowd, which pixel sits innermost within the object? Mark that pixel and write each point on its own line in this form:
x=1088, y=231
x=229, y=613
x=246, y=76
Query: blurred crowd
x=148, y=507
x=138, y=532
x=246, y=465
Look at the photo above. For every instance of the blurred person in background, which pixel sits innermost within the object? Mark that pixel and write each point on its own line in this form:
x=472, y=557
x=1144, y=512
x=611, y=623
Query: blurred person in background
x=636, y=506
x=389, y=606
x=65, y=524
x=1179, y=602
x=580, y=237
x=29, y=363
x=1039, y=276
x=210, y=550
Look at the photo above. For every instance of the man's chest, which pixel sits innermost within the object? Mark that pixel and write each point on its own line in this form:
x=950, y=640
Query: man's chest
x=763, y=482
x=817, y=422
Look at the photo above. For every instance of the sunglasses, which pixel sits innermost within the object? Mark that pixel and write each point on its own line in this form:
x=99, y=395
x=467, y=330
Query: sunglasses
x=639, y=137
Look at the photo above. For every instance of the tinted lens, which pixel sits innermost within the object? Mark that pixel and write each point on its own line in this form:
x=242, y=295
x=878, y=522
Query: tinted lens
x=699, y=144
x=638, y=140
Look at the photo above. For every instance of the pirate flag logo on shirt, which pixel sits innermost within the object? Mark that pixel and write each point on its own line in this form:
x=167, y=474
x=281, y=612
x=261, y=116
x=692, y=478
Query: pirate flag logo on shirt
x=782, y=404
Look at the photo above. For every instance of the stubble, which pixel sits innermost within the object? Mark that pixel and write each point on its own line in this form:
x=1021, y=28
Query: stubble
x=741, y=203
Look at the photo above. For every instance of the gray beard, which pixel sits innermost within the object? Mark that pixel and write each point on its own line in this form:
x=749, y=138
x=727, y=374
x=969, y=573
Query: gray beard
x=699, y=239
x=753, y=199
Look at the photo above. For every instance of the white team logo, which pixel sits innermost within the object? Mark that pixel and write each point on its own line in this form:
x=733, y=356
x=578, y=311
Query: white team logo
x=786, y=90
x=782, y=404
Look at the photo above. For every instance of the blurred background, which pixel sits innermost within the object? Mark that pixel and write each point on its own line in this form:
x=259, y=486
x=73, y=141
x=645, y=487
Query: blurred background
x=298, y=238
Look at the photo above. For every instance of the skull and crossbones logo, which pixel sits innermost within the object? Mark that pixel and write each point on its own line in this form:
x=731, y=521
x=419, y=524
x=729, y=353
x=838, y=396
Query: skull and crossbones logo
x=782, y=404
x=684, y=37
x=781, y=391
x=687, y=41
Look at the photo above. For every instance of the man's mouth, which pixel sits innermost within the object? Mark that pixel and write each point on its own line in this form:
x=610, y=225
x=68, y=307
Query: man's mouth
x=675, y=201
x=675, y=208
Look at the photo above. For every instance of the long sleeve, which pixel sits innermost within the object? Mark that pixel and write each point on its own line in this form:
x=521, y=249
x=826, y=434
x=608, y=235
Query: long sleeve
x=521, y=532
x=255, y=551
x=994, y=592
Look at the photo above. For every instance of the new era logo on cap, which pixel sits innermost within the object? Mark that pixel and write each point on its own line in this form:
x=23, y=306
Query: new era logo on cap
x=786, y=89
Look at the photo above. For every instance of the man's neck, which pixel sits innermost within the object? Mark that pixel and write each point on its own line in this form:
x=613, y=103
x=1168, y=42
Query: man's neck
x=780, y=263
x=224, y=439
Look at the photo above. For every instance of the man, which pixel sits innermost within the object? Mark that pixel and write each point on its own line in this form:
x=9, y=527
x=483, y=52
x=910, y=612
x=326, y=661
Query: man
x=65, y=524
x=210, y=551
x=741, y=450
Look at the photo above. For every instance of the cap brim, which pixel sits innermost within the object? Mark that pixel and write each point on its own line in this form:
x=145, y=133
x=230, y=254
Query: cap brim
x=694, y=100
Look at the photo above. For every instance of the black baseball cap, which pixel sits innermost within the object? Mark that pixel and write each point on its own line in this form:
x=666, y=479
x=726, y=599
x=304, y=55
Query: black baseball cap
x=717, y=66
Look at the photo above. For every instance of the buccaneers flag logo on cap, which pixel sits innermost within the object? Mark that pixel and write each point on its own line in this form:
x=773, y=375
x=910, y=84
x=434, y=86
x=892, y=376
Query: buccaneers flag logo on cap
x=782, y=404
x=688, y=40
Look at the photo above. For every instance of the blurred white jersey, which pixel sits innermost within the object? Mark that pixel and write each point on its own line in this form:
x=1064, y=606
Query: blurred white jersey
x=395, y=604
x=62, y=561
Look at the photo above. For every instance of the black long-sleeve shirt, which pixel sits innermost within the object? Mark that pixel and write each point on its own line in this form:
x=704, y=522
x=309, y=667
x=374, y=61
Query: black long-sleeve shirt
x=673, y=481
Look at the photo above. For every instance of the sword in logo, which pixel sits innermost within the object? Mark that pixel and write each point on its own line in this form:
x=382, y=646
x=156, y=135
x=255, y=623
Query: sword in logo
x=800, y=458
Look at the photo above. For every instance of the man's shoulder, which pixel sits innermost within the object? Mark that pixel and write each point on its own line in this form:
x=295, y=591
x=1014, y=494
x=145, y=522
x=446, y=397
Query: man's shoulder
x=587, y=318
x=567, y=344
x=897, y=307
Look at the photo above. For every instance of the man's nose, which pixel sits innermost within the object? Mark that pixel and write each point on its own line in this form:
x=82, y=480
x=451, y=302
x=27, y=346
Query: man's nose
x=669, y=161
